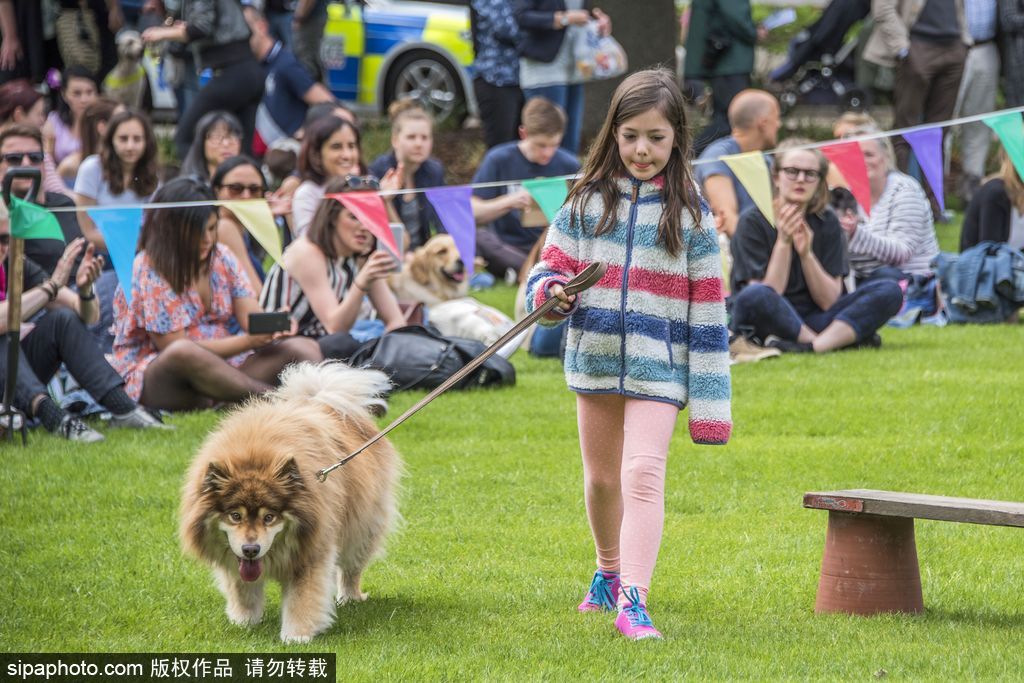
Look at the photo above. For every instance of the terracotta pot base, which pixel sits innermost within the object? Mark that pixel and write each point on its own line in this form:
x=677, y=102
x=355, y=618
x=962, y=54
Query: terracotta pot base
x=869, y=566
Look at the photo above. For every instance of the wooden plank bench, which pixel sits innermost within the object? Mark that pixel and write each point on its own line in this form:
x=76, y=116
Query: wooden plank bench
x=870, y=559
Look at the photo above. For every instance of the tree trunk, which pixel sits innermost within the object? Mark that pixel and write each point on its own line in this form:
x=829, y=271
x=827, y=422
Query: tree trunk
x=649, y=33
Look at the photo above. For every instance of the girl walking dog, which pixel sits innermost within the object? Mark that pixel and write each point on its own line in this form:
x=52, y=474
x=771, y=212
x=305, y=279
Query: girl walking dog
x=649, y=338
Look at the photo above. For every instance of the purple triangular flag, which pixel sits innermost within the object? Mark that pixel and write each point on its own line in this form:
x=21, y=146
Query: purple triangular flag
x=927, y=146
x=455, y=210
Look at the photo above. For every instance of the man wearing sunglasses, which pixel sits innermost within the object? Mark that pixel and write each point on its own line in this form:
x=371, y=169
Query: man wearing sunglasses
x=22, y=145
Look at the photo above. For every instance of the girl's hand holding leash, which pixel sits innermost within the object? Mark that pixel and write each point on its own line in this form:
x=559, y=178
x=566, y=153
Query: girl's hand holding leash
x=565, y=300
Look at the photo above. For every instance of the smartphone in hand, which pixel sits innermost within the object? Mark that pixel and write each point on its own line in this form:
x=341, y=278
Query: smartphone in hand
x=268, y=323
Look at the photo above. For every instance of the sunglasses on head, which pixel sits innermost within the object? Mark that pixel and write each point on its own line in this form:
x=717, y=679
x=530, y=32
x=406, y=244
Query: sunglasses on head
x=362, y=182
x=237, y=189
x=15, y=158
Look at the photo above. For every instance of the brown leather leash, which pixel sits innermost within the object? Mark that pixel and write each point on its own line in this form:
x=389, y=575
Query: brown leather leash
x=586, y=279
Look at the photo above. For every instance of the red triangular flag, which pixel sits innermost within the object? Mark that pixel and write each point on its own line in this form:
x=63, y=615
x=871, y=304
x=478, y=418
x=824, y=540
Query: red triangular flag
x=850, y=161
x=369, y=208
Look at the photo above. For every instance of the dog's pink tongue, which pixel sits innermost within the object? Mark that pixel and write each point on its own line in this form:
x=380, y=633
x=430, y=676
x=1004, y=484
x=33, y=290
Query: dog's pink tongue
x=250, y=570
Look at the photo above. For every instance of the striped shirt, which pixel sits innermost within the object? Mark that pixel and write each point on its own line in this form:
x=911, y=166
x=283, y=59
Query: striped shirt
x=281, y=292
x=899, y=231
x=654, y=326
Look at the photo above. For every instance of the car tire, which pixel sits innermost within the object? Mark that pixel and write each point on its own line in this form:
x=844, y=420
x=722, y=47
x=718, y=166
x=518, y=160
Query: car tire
x=429, y=78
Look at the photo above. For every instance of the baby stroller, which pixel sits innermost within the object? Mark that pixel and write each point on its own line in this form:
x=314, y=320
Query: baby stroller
x=819, y=66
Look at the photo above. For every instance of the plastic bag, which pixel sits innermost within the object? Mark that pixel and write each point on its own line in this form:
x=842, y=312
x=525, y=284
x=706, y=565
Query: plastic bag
x=595, y=57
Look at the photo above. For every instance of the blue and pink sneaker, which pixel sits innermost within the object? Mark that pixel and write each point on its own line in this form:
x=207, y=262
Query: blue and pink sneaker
x=633, y=621
x=603, y=593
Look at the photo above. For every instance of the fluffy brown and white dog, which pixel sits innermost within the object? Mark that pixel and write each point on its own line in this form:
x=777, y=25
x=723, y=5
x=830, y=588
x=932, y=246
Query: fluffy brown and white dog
x=253, y=510
x=432, y=273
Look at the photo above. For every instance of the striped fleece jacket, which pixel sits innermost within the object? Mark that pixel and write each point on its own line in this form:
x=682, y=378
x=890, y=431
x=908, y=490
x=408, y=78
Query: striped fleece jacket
x=654, y=326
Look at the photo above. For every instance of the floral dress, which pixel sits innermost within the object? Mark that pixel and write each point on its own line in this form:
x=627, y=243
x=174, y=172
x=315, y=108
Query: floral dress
x=156, y=308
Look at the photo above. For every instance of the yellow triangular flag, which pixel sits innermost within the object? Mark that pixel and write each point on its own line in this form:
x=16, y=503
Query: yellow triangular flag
x=255, y=215
x=752, y=172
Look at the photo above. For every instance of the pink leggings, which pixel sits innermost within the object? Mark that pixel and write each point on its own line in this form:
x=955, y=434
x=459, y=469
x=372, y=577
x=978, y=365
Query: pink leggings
x=625, y=446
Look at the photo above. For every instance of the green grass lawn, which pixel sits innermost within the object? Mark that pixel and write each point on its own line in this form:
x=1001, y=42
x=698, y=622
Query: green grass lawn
x=482, y=580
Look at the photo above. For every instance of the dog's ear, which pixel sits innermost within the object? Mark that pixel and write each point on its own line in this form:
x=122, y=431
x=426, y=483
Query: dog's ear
x=215, y=479
x=419, y=269
x=289, y=476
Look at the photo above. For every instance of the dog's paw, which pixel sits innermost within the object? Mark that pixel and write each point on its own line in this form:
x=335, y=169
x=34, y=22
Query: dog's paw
x=241, y=617
x=358, y=596
x=288, y=636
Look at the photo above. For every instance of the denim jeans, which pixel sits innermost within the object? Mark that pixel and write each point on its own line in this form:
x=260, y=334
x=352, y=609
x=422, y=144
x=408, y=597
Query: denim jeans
x=570, y=99
x=763, y=311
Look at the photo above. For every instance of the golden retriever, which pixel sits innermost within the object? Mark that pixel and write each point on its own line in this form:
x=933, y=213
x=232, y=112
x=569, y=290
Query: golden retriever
x=253, y=509
x=432, y=273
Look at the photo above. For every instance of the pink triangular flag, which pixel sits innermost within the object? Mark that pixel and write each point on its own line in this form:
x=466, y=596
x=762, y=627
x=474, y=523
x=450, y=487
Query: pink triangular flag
x=927, y=146
x=369, y=208
x=850, y=161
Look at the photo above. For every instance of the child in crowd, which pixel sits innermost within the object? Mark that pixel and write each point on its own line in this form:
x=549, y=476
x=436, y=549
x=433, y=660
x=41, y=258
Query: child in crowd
x=647, y=339
x=325, y=274
x=173, y=341
x=511, y=220
x=92, y=128
x=412, y=140
x=787, y=280
x=62, y=130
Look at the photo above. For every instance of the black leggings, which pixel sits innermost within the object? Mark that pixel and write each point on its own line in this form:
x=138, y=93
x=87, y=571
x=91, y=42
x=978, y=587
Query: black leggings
x=236, y=88
x=59, y=337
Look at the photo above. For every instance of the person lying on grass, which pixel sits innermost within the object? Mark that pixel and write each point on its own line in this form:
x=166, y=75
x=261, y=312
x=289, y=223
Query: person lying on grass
x=787, y=280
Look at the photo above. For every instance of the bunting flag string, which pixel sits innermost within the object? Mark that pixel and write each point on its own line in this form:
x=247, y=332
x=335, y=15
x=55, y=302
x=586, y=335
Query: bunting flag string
x=751, y=170
x=369, y=208
x=549, y=193
x=120, y=227
x=850, y=161
x=255, y=215
x=927, y=146
x=455, y=209
x=32, y=222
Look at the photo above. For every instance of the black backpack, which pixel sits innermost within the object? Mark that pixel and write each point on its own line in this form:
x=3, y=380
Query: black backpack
x=417, y=357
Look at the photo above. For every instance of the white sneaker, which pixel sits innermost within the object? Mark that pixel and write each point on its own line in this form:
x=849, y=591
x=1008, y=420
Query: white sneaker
x=73, y=429
x=140, y=418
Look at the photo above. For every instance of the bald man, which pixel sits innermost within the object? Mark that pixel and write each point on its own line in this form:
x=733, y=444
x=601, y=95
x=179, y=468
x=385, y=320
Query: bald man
x=754, y=117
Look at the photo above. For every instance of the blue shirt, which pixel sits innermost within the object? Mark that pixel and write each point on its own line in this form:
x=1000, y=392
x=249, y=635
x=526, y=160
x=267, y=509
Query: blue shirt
x=282, y=109
x=981, y=19
x=717, y=149
x=495, y=35
x=506, y=162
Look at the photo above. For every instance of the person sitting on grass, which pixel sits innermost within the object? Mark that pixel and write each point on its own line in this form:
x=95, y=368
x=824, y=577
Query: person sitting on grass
x=996, y=212
x=325, y=274
x=510, y=221
x=787, y=280
x=412, y=140
x=240, y=178
x=60, y=336
x=898, y=239
x=173, y=341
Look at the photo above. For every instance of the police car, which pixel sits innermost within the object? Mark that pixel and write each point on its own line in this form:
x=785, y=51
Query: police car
x=376, y=51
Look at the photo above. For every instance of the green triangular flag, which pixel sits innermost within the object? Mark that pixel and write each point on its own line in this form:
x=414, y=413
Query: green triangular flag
x=1011, y=133
x=549, y=193
x=32, y=222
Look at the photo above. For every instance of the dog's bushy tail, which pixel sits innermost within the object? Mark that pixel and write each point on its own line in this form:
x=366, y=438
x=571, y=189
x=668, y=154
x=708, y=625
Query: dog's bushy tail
x=342, y=388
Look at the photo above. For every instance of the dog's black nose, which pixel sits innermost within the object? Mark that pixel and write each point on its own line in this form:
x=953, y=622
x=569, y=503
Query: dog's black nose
x=251, y=550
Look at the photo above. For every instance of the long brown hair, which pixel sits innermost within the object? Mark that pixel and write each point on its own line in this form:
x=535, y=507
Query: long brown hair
x=96, y=113
x=323, y=228
x=1011, y=180
x=144, y=175
x=311, y=162
x=171, y=236
x=638, y=93
x=820, y=199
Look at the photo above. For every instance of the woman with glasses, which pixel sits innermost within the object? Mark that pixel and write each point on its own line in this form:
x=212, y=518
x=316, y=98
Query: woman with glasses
x=174, y=345
x=240, y=178
x=218, y=138
x=898, y=239
x=787, y=280
x=326, y=274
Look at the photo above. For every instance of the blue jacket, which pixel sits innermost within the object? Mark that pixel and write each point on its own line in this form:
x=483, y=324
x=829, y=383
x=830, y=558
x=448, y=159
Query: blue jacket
x=985, y=284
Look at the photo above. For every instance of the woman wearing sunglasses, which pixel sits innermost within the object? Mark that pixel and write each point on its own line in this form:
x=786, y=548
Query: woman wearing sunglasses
x=787, y=280
x=240, y=178
x=326, y=274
